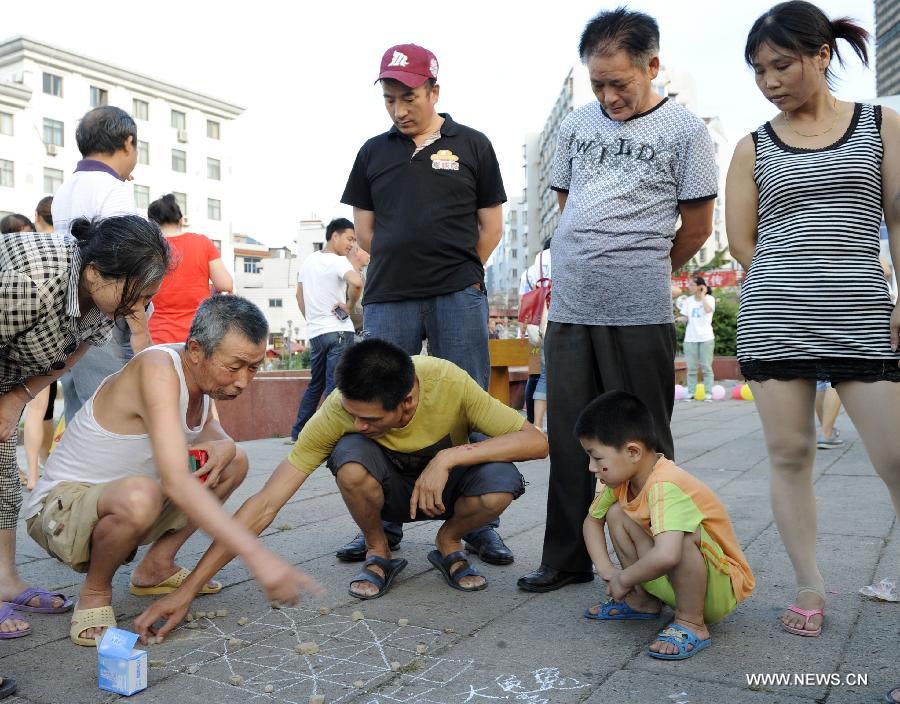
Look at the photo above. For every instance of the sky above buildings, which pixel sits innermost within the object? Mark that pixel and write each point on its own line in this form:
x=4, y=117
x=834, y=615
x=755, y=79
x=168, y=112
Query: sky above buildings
x=304, y=71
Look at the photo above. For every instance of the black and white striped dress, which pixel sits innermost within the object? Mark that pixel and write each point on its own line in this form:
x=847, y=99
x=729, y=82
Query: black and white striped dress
x=815, y=303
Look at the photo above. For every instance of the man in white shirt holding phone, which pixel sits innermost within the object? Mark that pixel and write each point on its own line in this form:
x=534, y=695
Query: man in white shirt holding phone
x=328, y=288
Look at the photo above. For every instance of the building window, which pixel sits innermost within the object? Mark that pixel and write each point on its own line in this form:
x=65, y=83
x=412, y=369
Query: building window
x=179, y=160
x=53, y=84
x=179, y=120
x=141, y=109
x=6, y=123
x=251, y=265
x=141, y=197
x=53, y=179
x=53, y=132
x=275, y=303
x=213, y=209
x=212, y=129
x=213, y=169
x=7, y=175
x=99, y=96
x=143, y=152
x=318, y=246
x=181, y=199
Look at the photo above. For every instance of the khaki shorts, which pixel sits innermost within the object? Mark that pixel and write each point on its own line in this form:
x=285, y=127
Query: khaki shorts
x=67, y=519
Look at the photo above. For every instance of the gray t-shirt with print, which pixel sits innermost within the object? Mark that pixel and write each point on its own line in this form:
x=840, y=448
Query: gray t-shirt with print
x=625, y=181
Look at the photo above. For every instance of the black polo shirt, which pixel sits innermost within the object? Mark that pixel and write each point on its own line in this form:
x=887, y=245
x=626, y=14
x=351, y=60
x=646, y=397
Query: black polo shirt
x=426, y=221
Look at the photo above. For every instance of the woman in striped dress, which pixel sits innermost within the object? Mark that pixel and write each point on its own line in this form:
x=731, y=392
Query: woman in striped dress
x=805, y=195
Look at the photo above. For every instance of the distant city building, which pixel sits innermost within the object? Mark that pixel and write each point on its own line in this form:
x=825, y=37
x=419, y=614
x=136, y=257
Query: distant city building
x=182, y=135
x=268, y=277
x=310, y=238
x=887, y=46
x=718, y=240
x=511, y=254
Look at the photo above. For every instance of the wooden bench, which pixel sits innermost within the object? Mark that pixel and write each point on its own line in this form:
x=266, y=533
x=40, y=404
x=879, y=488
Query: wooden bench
x=505, y=354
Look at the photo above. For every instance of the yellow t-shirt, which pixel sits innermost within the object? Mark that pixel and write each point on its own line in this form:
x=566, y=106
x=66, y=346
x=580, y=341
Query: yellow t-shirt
x=451, y=405
x=673, y=499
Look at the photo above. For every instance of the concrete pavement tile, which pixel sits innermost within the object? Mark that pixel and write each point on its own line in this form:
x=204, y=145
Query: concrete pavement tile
x=637, y=687
x=861, y=504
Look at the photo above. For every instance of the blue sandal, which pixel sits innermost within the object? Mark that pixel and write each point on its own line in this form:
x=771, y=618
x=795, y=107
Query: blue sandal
x=391, y=569
x=443, y=565
x=684, y=639
x=625, y=612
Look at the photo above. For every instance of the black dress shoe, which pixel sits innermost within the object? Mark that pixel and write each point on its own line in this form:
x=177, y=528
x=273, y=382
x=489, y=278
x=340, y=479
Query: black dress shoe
x=547, y=579
x=355, y=550
x=489, y=546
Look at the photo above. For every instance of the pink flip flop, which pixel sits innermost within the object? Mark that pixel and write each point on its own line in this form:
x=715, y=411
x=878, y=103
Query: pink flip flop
x=7, y=613
x=808, y=614
x=45, y=601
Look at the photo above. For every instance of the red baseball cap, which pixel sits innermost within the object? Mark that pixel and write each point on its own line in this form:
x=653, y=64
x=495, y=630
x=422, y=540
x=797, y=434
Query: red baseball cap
x=410, y=64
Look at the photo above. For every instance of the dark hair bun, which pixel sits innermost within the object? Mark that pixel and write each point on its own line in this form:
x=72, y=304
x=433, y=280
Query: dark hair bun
x=81, y=229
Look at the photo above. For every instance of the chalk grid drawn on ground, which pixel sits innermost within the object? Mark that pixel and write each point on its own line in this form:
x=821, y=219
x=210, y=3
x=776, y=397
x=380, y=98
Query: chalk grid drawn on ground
x=349, y=652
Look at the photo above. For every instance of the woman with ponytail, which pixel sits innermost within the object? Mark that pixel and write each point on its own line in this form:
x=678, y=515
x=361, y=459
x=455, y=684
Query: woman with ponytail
x=58, y=295
x=805, y=195
x=196, y=262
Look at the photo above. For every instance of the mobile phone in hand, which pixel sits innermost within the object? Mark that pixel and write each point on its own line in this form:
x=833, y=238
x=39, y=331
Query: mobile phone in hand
x=340, y=313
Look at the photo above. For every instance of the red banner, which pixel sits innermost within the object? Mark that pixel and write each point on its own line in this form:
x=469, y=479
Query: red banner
x=717, y=279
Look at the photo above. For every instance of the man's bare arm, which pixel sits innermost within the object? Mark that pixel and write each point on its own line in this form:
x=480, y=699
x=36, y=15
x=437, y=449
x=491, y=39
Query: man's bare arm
x=364, y=225
x=300, y=303
x=354, y=288
x=490, y=230
x=696, y=227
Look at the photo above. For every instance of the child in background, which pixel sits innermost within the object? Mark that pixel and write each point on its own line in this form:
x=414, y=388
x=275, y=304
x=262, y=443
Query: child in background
x=671, y=533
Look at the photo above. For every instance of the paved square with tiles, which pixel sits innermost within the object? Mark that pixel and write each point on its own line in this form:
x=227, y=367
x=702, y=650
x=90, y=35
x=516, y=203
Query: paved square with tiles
x=504, y=645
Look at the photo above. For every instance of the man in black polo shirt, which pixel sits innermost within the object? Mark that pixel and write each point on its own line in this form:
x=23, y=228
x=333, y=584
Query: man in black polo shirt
x=427, y=205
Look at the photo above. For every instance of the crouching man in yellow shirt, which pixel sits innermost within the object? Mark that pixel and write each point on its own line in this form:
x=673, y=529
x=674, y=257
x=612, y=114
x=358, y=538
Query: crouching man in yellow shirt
x=396, y=435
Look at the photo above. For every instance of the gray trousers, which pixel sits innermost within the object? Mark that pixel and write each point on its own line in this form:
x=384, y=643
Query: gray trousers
x=80, y=383
x=584, y=361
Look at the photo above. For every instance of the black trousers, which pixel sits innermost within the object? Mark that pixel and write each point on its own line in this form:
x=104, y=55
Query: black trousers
x=584, y=361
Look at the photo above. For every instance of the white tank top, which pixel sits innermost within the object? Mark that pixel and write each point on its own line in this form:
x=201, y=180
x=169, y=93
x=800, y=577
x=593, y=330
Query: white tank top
x=91, y=454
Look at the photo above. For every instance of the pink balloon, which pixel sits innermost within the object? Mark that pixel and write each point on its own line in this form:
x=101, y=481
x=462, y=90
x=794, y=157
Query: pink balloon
x=680, y=392
x=718, y=392
x=736, y=392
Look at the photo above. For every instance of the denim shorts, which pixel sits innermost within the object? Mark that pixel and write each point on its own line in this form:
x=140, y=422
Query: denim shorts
x=476, y=480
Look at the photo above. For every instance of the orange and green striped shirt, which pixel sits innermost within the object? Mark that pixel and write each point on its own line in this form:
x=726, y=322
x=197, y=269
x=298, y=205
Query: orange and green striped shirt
x=673, y=499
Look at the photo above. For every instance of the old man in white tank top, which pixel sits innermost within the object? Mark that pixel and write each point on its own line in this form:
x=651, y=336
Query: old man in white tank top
x=120, y=477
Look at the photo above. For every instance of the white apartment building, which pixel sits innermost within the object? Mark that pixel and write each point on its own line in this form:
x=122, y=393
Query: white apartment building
x=310, y=237
x=182, y=134
x=510, y=258
x=268, y=277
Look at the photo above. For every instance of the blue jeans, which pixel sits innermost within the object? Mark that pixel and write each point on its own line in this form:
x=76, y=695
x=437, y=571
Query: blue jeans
x=454, y=324
x=456, y=327
x=324, y=353
x=699, y=355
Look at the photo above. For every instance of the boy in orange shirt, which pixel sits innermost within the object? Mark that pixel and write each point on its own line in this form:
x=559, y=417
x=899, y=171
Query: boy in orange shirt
x=670, y=532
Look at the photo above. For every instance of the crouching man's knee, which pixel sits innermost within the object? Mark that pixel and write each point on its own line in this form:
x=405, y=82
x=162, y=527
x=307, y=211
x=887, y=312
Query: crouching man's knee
x=138, y=501
x=352, y=477
x=237, y=469
x=496, y=503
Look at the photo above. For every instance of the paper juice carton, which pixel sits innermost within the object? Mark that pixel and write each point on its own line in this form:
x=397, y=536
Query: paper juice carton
x=121, y=668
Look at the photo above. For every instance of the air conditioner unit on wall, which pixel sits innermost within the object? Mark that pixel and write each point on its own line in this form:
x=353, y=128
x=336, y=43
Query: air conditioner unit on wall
x=52, y=149
x=182, y=136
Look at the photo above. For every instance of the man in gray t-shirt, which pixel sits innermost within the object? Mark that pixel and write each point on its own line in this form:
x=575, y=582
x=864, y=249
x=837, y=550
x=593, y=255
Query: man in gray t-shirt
x=627, y=167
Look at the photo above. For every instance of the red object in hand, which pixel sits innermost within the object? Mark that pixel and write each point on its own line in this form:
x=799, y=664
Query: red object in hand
x=196, y=459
